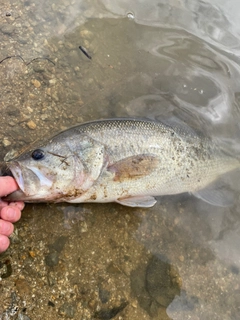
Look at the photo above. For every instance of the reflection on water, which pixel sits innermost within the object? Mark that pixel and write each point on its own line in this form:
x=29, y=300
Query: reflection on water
x=149, y=59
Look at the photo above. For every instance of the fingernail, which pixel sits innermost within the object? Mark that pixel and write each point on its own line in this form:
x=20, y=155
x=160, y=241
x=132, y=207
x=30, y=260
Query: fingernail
x=10, y=213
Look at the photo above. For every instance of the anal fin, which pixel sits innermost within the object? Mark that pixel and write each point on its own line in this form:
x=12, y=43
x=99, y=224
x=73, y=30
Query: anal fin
x=138, y=201
x=221, y=197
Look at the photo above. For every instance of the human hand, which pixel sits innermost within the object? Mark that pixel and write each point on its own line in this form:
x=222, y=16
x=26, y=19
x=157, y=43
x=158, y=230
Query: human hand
x=9, y=212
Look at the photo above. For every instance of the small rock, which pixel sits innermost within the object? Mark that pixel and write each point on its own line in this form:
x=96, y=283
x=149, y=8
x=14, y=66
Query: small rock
x=13, y=112
x=54, y=96
x=22, y=316
x=38, y=68
x=67, y=310
x=44, y=117
x=23, y=287
x=36, y=83
x=31, y=125
x=107, y=314
x=113, y=269
x=51, y=279
x=22, y=40
x=59, y=244
x=6, y=142
x=7, y=29
x=51, y=304
x=52, y=259
x=181, y=258
x=162, y=282
x=32, y=96
x=155, y=286
x=92, y=304
x=104, y=295
x=14, y=237
x=86, y=34
x=32, y=254
x=84, y=227
x=52, y=82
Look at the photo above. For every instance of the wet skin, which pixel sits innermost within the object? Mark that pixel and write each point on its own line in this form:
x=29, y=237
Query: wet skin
x=9, y=211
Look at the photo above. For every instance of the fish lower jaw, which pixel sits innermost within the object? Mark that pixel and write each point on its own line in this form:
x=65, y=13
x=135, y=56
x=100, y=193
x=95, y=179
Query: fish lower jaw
x=17, y=175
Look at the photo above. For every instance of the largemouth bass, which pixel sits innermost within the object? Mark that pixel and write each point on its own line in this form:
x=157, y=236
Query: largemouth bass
x=128, y=161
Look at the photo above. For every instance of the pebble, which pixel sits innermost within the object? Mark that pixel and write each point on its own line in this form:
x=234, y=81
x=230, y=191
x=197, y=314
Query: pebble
x=44, y=117
x=59, y=244
x=52, y=259
x=86, y=34
x=32, y=96
x=7, y=28
x=112, y=269
x=92, y=304
x=23, y=287
x=22, y=316
x=13, y=111
x=181, y=258
x=22, y=40
x=67, y=310
x=155, y=285
x=51, y=279
x=107, y=314
x=84, y=227
x=6, y=142
x=31, y=125
x=104, y=295
x=36, y=83
x=161, y=281
x=38, y=68
x=32, y=254
x=52, y=82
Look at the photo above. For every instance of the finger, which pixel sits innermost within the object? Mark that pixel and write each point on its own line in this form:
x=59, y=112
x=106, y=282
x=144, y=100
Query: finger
x=18, y=204
x=7, y=185
x=3, y=204
x=6, y=228
x=4, y=243
x=11, y=213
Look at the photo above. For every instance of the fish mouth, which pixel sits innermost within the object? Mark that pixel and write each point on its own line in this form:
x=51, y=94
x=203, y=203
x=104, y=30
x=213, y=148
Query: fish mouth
x=30, y=180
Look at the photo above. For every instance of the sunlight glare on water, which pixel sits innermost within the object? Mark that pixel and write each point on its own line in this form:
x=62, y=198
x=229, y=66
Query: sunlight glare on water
x=150, y=59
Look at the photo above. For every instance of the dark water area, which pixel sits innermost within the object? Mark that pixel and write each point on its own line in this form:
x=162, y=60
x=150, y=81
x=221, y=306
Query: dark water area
x=177, y=260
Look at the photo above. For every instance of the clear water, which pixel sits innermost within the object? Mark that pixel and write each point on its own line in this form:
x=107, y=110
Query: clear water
x=149, y=59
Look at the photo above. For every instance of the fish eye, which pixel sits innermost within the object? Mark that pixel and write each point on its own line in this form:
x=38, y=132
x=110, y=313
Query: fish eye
x=38, y=154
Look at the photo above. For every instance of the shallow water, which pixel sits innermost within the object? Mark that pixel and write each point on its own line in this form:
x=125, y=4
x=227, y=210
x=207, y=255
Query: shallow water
x=177, y=260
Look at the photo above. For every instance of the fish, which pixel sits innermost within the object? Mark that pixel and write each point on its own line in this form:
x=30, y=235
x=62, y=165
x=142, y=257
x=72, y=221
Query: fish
x=127, y=161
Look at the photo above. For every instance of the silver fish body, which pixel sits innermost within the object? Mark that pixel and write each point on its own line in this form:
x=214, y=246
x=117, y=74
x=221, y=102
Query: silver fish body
x=128, y=161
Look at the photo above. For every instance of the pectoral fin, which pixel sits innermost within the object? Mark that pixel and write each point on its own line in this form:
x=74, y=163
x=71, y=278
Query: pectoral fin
x=138, y=201
x=134, y=167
